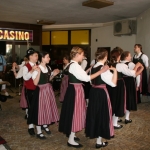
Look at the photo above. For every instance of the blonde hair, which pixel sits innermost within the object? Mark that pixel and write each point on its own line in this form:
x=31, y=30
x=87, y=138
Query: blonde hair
x=25, y=59
x=75, y=50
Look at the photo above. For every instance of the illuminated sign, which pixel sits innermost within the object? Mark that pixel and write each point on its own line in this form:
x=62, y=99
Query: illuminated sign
x=17, y=35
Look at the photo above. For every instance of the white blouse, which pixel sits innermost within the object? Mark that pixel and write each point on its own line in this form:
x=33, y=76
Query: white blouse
x=84, y=63
x=43, y=69
x=78, y=72
x=22, y=64
x=126, y=69
x=93, y=62
x=144, y=58
x=19, y=73
x=26, y=74
x=106, y=76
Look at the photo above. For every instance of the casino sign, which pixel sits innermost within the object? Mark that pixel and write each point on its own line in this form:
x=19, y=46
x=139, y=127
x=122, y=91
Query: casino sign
x=17, y=35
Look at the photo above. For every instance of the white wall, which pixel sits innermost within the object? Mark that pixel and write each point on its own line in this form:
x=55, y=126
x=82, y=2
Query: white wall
x=143, y=31
x=105, y=38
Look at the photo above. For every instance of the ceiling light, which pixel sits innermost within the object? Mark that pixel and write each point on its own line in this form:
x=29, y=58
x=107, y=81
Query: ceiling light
x=97, y=3
x=45, y=22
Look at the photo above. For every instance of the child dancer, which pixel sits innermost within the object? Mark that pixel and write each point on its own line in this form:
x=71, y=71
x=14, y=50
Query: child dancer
x=64, y=83
x=99, y=112
x=23, y=102
x=45, y=110
x=73, y=112
x=117, y=94
x=131, y=97
x=143, y=59
x=28, y=69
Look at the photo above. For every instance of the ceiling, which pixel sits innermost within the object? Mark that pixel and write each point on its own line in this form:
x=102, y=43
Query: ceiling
x=68, y=11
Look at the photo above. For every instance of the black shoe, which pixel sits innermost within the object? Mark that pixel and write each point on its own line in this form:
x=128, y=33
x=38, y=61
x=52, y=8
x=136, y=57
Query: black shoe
x=75, y=146
x=118, y=127
x=40, y=136
x=127, y=121
x=43, y=128
x=104, y=144
x=9, y=96
x=119, y=120
x=76, y=139
x=25, y=117
x=31, y=131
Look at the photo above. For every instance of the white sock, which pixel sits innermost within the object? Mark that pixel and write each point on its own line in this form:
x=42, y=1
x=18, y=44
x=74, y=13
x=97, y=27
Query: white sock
x=115, y=120
x=87, y=102
x=38, y=128
x=3, y=87
x=31, y=126
x=99, y=140
x=6, y=94
x=71, y=139
x=127, y=114
x=46, y=127
x=27, y=112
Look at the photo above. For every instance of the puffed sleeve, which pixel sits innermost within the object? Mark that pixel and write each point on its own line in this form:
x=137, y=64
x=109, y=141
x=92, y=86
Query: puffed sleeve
x=121, y=67
x=78, y=72
x=34, y=74
x=107, y=78
x=26, y=75
x=145, y=60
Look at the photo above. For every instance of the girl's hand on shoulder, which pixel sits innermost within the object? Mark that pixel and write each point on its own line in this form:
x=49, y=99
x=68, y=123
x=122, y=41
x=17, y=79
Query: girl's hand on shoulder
x=105, y=68
x=112, y=68
x=37, y=69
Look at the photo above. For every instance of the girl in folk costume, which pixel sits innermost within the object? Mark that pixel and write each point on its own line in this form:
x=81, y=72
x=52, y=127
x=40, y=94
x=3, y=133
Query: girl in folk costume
x=99, y=112
x=73, y=112
x=117, y=94
x=45, y=110
x=143, y=59
x=28, y=69
x=19, y=74
x=64, y=83
x=131, y=97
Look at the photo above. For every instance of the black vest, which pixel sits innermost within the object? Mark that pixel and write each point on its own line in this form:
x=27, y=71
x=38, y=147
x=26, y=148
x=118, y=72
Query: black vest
x=97, y=80
x=139, y=59
x=72, y=78
x=119, y=74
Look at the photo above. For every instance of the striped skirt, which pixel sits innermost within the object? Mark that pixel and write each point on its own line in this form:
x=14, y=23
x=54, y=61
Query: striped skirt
x=63, y=88
x=73, y=110
x=23, y=101
x=99, y=114
x=47, y=108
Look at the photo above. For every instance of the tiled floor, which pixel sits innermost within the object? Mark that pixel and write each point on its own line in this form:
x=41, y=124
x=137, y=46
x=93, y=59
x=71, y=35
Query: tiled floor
x=13, y=128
